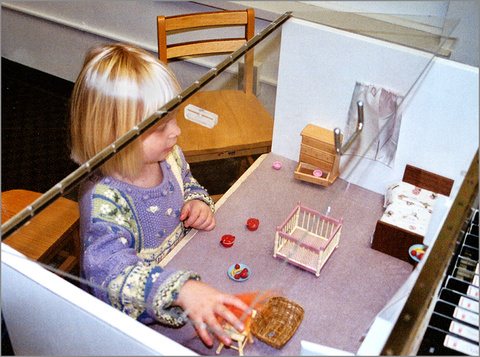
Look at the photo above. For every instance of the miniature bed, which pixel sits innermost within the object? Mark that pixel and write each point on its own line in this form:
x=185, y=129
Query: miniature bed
x=408, y=208
x=307, y=239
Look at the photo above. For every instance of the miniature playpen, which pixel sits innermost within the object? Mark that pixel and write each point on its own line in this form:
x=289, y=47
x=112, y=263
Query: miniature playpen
x=307, y=239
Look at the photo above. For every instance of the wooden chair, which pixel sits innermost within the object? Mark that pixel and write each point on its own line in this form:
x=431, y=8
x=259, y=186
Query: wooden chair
x=245, y=127
x=51, y=237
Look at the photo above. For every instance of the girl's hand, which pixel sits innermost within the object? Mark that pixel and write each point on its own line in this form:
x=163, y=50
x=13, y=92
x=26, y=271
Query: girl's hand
x=197, y=215
x=202, y=303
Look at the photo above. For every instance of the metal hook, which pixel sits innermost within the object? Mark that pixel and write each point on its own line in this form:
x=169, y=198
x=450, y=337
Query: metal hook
x=336, y=132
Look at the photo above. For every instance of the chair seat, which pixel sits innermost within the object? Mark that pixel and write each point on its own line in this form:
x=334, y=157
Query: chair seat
x=248, y=131
x=51, y=237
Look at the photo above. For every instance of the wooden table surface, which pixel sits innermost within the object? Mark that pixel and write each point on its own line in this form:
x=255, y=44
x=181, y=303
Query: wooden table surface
x=228, y=138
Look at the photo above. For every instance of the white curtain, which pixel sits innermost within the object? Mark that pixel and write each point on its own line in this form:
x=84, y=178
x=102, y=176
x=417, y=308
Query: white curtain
x=382, y=117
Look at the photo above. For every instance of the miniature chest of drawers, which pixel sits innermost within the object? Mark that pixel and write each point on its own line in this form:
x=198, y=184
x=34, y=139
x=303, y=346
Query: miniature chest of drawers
x=318, y=155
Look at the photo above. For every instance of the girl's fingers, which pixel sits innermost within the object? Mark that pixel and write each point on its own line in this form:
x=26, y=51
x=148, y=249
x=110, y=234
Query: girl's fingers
x=210, y=226
x=191, y=218
x=218, y=330
x=230, y=317
x=204, y=223
x=201, y=329
x=236, y=302
x=213, y=327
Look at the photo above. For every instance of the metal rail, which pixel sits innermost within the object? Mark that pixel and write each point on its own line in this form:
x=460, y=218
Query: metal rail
x=336, y=132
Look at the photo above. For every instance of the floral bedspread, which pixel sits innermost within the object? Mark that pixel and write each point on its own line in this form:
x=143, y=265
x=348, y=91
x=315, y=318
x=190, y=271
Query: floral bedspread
x=409, y=207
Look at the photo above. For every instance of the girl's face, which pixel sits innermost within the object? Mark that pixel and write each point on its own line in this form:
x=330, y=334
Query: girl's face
x=160, y=141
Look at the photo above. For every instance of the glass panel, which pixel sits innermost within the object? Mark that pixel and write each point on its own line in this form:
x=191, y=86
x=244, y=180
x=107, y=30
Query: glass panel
x=317, y=202
x=428, y=33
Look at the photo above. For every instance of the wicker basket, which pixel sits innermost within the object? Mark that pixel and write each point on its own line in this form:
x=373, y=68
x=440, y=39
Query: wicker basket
x=276, y=323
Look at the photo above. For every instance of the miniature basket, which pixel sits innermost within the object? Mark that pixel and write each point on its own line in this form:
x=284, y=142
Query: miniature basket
x=276, y=323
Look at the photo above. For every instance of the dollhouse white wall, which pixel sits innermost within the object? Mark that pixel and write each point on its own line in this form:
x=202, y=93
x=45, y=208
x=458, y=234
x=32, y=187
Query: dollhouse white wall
x=318, y=69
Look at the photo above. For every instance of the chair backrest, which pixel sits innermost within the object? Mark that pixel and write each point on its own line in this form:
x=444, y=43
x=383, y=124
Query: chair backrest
x=200, y=21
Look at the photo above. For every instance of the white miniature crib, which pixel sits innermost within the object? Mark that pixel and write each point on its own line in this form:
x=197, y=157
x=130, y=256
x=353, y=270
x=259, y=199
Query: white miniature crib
x=307, y=239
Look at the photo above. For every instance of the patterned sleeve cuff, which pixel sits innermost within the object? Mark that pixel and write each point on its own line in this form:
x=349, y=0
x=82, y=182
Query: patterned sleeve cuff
x=167, y=293
x=202, y=197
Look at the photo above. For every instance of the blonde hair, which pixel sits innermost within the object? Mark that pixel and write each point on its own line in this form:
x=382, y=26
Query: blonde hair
x=118, y=87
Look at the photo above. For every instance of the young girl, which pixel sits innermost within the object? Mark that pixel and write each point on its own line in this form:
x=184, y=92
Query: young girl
x=138, y=205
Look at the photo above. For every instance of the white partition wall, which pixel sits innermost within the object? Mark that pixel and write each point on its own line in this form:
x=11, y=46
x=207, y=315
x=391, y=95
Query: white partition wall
x=318, y=69
x=46, y=315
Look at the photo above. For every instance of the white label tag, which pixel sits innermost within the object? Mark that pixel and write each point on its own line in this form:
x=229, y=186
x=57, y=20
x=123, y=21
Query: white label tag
x=464, y=331
x=465, y=315
x=460, y=345
x=472, y=291
x=201, y=116
x=468, y=304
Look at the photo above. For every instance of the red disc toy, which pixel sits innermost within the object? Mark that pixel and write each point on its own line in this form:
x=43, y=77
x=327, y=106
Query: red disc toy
x=227, y=240
x=252, y=224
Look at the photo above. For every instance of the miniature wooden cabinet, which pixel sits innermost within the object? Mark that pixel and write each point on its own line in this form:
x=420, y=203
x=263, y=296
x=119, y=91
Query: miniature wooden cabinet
x=318, y=153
